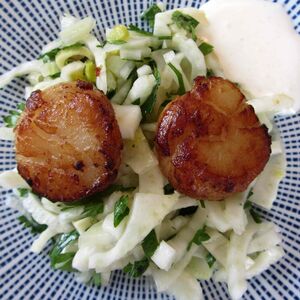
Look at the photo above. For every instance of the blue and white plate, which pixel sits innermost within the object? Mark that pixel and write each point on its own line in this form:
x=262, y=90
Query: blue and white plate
x=27, y=25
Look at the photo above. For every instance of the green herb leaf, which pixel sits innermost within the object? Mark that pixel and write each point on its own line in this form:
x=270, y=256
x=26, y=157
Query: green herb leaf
x=166, y=102
x=121, y=210
x=206, y=48
x=210, y=73
x=111, y=93
x=49, y=56
x=149, y=14
x=95, y=279
x=168, y=189
x=187, y=211
x=255, y=216
x=186, y=22
x=138, y=30
x=102, y=45
x=32, y=224
x=210, y=259
x=199, y=237
x=21, y=106
x=148, y=105
x=248, y=203
x=136, y=102
x=93, y=209
x=250, y=194
x=150, y=244
x=23, y=192
x=56, y=75
x=138, y=268
x=181, y=89
x=165, y=37
x=59, y=260
x=93, y=205
x=11, y=120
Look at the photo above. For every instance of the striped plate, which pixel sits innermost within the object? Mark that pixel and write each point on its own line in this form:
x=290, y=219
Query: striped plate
x=27, y=25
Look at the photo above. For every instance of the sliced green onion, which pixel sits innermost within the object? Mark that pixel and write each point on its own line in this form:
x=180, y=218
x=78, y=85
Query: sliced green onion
x=64, y=55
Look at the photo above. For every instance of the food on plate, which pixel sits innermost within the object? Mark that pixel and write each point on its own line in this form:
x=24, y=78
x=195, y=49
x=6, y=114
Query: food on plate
x=68, y=143
x=209, y=141
x=193, y=129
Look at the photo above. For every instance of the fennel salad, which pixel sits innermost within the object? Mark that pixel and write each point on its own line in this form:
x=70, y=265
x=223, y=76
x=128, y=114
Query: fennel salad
x=140, y=224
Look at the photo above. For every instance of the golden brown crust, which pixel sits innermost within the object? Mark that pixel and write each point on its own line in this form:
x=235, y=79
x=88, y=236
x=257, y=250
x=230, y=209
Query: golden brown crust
x=68, y=143
x=209, y=142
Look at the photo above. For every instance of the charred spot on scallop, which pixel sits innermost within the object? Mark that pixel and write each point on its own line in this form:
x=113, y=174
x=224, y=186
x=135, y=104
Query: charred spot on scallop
x=66, y=139
x=209, y=142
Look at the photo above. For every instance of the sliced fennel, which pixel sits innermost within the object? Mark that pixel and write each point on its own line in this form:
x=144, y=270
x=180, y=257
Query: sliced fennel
x=76, y=30
x=199, y=268
x=129, y=118
x=11, y=179
x=157, y=207
x=138, y=155
x=72, y=71
x=141, y=89
x=186, y=287
x=192, y=53
x=266, y=184
x=99, y=54
x=23, y=69
x=151, y=181
x=7, y=134
x=164, y=256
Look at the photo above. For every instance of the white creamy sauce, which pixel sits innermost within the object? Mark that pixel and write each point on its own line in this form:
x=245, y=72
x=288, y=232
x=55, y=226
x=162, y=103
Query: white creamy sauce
x=257, y=46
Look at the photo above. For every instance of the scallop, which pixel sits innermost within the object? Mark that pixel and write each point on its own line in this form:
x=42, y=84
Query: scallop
x=209, y=141
x=68, y=143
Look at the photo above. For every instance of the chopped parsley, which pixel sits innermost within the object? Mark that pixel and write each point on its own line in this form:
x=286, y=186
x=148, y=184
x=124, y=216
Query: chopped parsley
x=138, y=268
x=210, y=259
x=35, y=227
x=149, y=14
x=206, y=48
x=186, y=22
x=11, y=120
x=59, y=260
x=168, y=189
x=121, y=210
x=199, y=237
x=150, y=244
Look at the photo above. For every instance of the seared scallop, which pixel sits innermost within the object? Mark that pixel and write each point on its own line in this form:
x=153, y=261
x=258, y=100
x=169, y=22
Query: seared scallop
x=209, y=142
x=68, y=143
